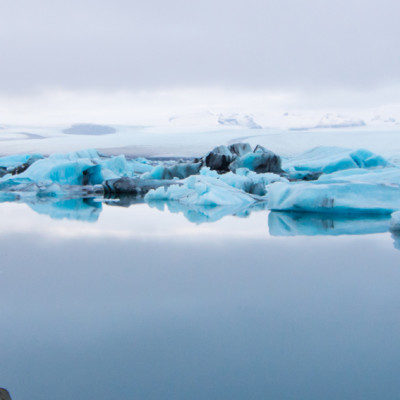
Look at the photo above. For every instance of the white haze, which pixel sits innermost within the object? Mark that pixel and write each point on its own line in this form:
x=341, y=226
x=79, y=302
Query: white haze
x=138, y=62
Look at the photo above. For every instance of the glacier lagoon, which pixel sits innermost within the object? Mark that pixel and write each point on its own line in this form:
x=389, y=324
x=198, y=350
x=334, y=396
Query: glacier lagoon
x=143, y=303
x=197, y=289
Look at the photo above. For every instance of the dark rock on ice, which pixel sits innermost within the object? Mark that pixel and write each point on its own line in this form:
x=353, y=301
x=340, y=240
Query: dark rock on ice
x=219, y=159
x=4, y=395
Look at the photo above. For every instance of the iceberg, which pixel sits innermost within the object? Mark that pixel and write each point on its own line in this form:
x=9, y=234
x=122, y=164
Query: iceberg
x=246, y=180
x=239, y=155
x=17, y=160
x=327, y=180
x=347, y=197
x=382, y=176
x=395, y=222
x=260, y=160
x=179, y=170
x=325, y=160
x=202, y=190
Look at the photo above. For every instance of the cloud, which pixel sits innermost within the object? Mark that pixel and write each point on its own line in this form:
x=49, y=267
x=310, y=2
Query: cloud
x=132, y=45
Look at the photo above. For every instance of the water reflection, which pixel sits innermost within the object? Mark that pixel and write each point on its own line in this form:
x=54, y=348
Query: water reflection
x=88, y=209
x=176, y=311
x=81, y=209
x=310, y=224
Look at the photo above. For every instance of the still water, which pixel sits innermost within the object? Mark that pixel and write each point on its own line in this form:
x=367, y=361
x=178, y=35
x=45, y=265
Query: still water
x=138, y=303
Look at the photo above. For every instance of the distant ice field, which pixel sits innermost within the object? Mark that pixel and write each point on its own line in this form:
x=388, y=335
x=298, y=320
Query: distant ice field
x=192, y=141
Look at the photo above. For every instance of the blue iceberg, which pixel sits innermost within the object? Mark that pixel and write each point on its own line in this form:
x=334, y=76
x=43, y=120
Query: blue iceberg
x=202, y=190
x=345, y=197
x=325, y=160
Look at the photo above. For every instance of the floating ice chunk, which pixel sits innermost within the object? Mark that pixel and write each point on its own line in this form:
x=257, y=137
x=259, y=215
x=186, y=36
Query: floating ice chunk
x=310, y=224
x=240, y=149
x=246, y=180
x=219, y=158
x=239, y=155
x=62, y=171
x=115, y=166
x=384, y=176
x=330, y=159
x=334, y=197
x=395, y=222
x=179, y=170
x=140, y=166
x=76, y=155
x=16, y=160
x=260, y=160
x=77, y=168
x=202, y=190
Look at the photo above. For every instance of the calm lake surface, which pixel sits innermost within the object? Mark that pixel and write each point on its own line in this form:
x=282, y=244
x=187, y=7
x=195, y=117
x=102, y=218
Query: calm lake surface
x=144, y=304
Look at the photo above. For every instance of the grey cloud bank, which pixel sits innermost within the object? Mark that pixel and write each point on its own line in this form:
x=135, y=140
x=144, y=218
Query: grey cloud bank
x=277, y=45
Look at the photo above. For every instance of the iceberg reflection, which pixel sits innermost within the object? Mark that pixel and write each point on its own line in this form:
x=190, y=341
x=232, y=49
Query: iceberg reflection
x=77, y=209
x=310, y=224
x=199, y=214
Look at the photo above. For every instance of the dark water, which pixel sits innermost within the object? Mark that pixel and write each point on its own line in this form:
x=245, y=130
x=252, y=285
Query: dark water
x=144, y=304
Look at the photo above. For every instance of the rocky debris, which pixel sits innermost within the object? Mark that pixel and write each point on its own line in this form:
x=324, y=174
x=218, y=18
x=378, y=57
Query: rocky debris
x=4, y=395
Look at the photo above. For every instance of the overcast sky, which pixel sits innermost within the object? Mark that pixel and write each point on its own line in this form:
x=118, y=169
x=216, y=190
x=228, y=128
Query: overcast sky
x=152, y=44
